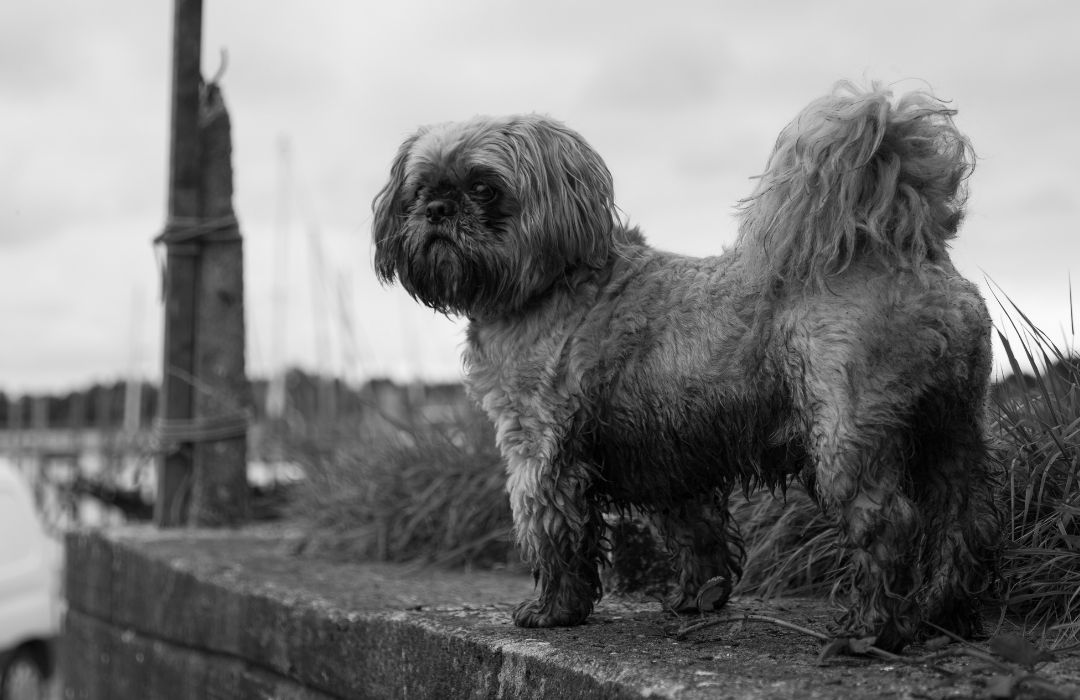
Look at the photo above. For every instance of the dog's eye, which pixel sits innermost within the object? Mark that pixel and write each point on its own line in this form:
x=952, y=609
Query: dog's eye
x=482, y=193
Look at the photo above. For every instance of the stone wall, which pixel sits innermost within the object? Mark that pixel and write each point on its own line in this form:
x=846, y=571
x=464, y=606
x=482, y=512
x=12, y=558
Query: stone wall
x=178, y=615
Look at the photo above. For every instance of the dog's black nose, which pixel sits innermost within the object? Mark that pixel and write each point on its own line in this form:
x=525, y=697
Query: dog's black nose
x=439, y=210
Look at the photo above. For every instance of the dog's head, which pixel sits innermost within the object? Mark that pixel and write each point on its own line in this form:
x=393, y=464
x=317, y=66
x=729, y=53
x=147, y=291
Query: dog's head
x=480, y=217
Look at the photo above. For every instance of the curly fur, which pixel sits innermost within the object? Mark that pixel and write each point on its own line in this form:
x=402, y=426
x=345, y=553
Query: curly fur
x=856, y=175
x=834, y=342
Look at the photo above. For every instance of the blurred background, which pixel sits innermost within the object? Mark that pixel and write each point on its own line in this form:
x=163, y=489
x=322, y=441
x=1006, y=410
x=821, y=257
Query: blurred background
x=683, y=99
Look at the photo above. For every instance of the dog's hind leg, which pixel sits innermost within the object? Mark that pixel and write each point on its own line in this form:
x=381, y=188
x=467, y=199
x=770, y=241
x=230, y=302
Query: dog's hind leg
x=955, y=491
x=884, y=527
x=858, y=459
x=705, y=543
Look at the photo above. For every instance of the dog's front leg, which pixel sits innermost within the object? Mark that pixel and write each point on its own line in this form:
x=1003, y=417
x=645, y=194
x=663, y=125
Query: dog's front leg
x=558, y=528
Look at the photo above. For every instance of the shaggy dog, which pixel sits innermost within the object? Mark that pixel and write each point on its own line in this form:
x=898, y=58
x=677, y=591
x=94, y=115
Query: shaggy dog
x=834, y=342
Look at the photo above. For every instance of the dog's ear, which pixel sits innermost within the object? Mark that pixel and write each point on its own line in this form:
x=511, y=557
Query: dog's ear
x=389, y=211
x=568, y=198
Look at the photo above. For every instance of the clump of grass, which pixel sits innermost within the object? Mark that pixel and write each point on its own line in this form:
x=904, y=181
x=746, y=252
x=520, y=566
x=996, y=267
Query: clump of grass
x=420, y=492
x=1038, y=421
x=790, y=546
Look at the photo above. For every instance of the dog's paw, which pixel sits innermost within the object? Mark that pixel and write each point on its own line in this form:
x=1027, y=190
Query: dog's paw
x=712, y=595
x=532, y=614
x=680, y=602
x=886, y=635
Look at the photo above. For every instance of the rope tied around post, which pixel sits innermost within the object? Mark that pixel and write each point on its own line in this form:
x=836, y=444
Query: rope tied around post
x=183, y=233
x=232, y=422
x=175, y=431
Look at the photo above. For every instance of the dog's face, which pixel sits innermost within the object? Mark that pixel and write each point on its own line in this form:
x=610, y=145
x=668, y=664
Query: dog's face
x=480, y=217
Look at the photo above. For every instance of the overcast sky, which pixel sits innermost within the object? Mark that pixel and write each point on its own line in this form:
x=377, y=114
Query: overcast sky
x=682, y=99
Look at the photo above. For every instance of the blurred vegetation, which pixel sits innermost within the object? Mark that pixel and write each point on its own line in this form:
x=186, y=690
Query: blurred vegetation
x=100, y=406
x=421, y=491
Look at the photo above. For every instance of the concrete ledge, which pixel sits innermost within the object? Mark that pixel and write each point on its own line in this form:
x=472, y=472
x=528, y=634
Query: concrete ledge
x=195, y=612
x=199, y=614
x=110, y=663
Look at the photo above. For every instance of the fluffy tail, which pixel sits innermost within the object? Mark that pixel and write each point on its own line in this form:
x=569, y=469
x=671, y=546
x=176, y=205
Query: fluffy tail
x=857, y=175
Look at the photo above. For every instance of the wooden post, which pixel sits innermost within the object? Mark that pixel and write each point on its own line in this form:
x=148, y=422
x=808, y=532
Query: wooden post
x=181, y=272
x=219, y=493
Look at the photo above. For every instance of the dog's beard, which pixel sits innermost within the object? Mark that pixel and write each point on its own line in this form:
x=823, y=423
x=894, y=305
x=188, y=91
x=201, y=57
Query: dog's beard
x=456, y=269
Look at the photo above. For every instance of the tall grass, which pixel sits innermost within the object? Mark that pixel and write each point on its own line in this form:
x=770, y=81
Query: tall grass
x=421, y=492
x=790, y=546
x=1038, y=422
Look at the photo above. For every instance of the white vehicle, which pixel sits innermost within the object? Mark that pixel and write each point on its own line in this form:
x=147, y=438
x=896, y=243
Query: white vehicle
x=29, y=592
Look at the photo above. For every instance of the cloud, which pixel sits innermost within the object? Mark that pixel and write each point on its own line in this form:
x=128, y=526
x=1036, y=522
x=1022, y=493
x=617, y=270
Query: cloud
x=66, y=305
x=667, y=78
x=84, y=118
x=683, y=99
